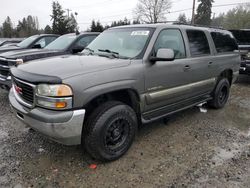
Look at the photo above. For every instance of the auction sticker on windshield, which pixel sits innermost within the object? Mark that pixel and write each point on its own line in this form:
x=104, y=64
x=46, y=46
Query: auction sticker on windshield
x=140, y=33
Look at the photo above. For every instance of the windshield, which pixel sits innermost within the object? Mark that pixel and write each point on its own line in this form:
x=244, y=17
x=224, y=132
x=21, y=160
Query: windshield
x=126, y=42
x=242, y=37
x=61, y=43
x=25, y=43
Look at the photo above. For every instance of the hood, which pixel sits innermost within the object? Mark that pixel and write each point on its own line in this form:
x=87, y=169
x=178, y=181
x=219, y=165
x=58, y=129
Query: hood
x=71, y=65
x=9, y=48
x=29, y=54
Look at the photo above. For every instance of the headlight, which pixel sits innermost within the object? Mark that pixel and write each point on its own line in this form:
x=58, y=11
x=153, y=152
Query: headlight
x=54, y=96
x=19, y=61
x=54, y=90
x=248, y=55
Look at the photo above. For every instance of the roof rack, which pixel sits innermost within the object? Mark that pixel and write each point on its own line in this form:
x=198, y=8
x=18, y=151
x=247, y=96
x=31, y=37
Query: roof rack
x=189, y=24
x=198, y=25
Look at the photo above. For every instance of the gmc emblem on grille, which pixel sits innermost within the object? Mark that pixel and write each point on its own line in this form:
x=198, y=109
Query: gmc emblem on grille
x=18, y=90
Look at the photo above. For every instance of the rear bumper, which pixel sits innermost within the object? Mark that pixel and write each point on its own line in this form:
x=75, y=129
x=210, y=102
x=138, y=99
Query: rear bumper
x=61, y=126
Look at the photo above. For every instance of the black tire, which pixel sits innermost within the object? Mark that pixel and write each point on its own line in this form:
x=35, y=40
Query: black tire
x=220, y=94
x=110, y=131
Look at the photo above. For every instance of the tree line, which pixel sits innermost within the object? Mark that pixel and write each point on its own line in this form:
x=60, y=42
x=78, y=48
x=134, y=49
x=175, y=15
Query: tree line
x=146, y=11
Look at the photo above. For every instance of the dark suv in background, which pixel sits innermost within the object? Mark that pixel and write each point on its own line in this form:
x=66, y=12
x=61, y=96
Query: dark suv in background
x=35, y=41
x=66, y=44
x=10, y=41
x=243, y=39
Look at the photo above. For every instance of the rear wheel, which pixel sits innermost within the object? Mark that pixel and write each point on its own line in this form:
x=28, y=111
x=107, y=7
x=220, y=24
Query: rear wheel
x=110, y=131
x=221, y=94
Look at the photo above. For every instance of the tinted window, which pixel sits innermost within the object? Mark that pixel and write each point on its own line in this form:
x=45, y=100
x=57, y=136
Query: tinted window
x=198, y=43
x=83, y=42
x=61, y=43
x=171, y=39
x=25, y=43
x=42, y=42
x=242, y=37
x=224, y=42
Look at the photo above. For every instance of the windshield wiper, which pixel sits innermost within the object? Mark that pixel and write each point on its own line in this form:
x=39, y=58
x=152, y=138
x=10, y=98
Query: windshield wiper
x=114, y=54
x=90, y=50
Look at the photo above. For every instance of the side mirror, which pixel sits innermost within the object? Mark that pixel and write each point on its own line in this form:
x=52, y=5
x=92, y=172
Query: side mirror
x=77, y=49
x=37, y=46
x=163, y=54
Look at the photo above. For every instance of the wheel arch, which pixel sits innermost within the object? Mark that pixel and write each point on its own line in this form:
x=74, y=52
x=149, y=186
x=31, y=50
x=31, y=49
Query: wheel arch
x=128, y=96
x=227, y=73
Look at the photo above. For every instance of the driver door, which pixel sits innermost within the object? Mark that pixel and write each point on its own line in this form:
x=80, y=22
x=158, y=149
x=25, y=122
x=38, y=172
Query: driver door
x=167, y=82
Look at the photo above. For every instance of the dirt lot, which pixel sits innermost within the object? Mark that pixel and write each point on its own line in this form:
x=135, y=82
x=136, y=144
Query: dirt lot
x=193, y=149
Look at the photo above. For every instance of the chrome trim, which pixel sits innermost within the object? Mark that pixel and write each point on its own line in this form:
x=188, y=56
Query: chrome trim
x=4, y=66
x=4, y=59
x=1, y=78
x=20, y=99
x=243, y=68
x=32, y=85
x=162, y=94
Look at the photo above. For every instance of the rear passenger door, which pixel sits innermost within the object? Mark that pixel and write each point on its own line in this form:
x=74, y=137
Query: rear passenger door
x=200, y=60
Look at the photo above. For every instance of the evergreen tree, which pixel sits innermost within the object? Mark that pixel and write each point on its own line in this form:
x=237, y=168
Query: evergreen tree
x=59, y=21
x=48, y=30
x=96, y=26
x=204, y=11
x=7, y=28
x=27, y=27
x=71, y=24
x=182, y=19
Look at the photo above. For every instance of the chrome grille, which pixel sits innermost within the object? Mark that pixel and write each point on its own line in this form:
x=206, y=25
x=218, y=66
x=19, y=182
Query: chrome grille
x=24, y=90
x=3, y=62
x=4, y=68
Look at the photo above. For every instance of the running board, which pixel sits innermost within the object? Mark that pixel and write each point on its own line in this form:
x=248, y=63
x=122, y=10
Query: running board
x=147, y=119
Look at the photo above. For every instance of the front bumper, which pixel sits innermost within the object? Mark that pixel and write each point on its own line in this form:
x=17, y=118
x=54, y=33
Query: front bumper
x=61, y=126
x=245, y=67
x=5, y=82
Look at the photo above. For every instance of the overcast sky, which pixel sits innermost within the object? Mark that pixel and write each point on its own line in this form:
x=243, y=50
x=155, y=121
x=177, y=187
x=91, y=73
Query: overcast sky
x=103, y=10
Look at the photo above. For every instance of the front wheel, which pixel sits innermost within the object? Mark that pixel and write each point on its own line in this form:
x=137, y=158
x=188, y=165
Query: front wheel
x=110, y=131
x=221, y=94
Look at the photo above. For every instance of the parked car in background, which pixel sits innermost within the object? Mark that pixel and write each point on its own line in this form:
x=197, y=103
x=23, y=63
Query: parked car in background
x=127, y=76
x=35, y=41
x=66, y=44
x=10, y=41
x=243, y=38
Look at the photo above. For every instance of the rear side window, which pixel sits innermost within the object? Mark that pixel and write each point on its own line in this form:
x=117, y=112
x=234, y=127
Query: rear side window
x=198, y=43
x=224, y=42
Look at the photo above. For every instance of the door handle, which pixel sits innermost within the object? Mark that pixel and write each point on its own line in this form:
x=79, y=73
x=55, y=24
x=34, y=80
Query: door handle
x=186, y=68
x=210, y=63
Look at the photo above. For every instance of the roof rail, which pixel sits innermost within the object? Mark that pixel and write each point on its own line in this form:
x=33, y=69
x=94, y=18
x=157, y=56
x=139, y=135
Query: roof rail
x=199, y=25
x=189, y=24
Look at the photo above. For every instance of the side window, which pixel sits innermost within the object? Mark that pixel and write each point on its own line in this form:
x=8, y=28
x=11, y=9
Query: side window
x=42, y=42
x=198, y=43
x=172, y=39
x=49, y=40
x=85, y=41
x=224, y=42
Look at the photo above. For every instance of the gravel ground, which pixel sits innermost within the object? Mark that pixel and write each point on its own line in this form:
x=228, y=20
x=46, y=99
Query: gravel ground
x=193, y=149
